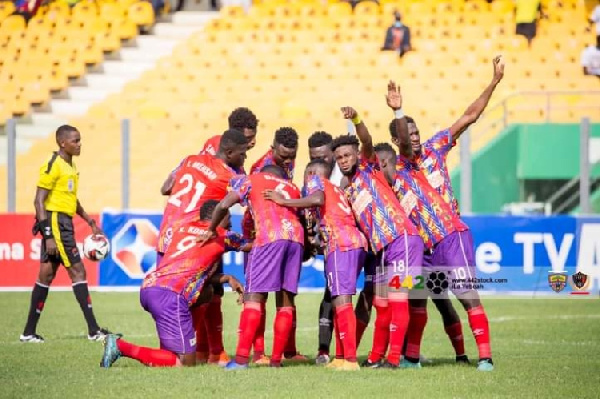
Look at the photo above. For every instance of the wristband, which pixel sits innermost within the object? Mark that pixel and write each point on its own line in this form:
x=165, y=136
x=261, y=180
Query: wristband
x=356, y=120
x=45, y=229
x=399, y=113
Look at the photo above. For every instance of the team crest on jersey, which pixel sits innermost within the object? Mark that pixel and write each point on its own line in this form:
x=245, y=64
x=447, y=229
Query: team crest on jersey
x=580, y=281
x=134, y=247
x=557, y=281
x=70, y=185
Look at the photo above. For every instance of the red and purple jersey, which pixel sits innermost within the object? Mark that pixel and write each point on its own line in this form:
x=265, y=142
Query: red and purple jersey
x=211, y=146
x=424, y=206
x=276, y=222
x=337, y=224
x=198, y=179
x=375, y=206
x=187, y=266
x=432, y=162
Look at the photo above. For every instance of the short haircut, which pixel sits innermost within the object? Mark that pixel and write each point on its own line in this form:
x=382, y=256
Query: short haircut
x=207, y=209
x=319, y=139
x=274, y=170
x=319, y=163
x=287, y=137
x=242, y=118
x=385, y=147
x=232, y=138
x=63, y=130
x=392, y=125
x=344, y=140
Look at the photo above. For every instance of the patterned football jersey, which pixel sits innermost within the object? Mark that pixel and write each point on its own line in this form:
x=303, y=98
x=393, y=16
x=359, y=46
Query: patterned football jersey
x=276, y=222
x=187, y=266
x=425, y=206
x=198, y=179
x=432, y=162
x=375, y=205
x=337, y=224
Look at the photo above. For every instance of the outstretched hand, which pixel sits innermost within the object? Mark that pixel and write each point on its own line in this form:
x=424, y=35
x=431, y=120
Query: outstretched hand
x=498, y=68
x=349, y=112
x=273, y=195
x=393, y=96
x=205, y=236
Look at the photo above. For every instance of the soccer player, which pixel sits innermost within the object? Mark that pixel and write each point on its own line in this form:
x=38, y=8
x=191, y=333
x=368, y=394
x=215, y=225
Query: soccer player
x=198, y=179
x=55, y=205
x=283, y=154
x=319, y=147
x=241, y=119
x=274, y=262
x=390, y=233
x=180, y=282
x=457, y=254
x=345, y=250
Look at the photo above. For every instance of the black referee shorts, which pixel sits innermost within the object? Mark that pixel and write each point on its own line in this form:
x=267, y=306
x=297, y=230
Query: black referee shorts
x=64, y=236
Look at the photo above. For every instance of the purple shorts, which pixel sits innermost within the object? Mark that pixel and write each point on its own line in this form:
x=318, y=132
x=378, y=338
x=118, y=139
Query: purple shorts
x=342, y=269
x=400, y=259
x=173, y=319
x=274, y=267
x=455, y=255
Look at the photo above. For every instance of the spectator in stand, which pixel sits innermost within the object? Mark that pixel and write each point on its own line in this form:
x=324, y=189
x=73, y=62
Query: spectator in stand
x=595, y=19
x=590, y=59
x=397, y=37
x=27, y=8
x=527, y=13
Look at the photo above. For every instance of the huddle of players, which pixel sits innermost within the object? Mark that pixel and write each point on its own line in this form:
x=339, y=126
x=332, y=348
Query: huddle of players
x=394, y=214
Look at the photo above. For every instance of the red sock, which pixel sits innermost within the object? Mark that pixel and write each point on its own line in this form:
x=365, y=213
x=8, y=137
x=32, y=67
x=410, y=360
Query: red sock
x=347, y=322
x=339, y=346
x=148, y=356
x=481, y=331
x=199, y=317
x=381, y=333
x=398, y=326
x=249, y=322
x=259, y=338
x=414, y=335
x=361, y=326
x=290, y=347
x=456, y=338
x=214, y=325
x=282, y=329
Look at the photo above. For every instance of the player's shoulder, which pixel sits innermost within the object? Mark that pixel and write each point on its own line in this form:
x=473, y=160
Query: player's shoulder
x=50, y=162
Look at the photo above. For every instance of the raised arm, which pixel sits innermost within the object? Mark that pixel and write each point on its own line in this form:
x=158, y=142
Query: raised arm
x=394, y=101
x=168, y=184
x=362, y=132
x=473, y=112
x=310, y=201
x=218, y=215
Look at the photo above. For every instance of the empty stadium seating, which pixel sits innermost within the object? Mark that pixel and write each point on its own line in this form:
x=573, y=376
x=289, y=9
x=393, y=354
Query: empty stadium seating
x=295, y=63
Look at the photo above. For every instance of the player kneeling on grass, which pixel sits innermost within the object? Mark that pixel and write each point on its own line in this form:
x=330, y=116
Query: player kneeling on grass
x=275, y=261
x=182, y=281
x=345, y=248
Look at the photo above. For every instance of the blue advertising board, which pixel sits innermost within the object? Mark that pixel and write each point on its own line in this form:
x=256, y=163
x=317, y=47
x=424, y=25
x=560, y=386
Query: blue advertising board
x=512, y=253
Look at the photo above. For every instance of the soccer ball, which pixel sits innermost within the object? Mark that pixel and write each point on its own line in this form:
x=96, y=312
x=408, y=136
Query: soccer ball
x=95, y=247
x=437, y=282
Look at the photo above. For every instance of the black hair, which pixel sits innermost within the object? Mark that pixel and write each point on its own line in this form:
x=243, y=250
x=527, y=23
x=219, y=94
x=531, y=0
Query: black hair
x=274, y=170
x=392, y=126
x=207, y=209
x=344, y=140
x=319, y=139
x=385, y=147
x=232, y=138
x=320, y=162
x=287, y=137
x=242, y=118
x=63, y=130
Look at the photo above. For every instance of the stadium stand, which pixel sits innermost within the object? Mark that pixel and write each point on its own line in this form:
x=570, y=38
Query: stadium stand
x=295, y=64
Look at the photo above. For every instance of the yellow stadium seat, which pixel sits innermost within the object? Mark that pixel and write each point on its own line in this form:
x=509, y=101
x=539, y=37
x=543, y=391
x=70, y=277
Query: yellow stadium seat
x=6, y=9
x=141, y=13
x=367, y=8
x=339, y=10
x=13, y=23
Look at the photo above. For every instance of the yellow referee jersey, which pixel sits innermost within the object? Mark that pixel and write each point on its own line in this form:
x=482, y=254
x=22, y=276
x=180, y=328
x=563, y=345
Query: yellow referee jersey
x=62, y=180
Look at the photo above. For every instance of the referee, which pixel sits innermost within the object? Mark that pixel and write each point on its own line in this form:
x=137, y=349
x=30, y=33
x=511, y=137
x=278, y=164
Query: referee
x=55, y=204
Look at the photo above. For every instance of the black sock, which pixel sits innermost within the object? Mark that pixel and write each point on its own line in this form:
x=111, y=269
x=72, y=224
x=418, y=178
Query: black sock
x=82, y=295
x=325, y=323
x=38, y=299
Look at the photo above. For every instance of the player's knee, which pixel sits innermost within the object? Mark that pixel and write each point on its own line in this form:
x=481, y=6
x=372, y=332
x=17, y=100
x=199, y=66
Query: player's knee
x=77, y=272
x=188, y=359
x=46, y=275
x=469, y=300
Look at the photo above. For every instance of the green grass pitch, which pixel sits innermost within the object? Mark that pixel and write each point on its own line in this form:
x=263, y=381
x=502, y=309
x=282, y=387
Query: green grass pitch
x=542, y=348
